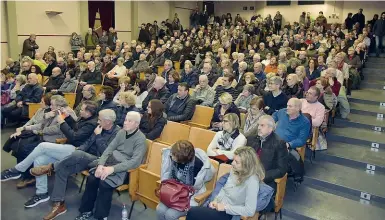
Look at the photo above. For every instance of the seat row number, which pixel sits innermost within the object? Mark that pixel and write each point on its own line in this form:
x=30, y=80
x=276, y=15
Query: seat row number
x=370, y=168
x=375, y=147
x=365, y=196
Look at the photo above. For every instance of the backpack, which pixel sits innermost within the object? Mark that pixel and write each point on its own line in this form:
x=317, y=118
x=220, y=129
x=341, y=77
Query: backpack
x=296, y=167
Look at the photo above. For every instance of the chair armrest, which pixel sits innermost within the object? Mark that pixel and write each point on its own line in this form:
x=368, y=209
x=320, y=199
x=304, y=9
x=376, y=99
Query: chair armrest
x=85, y=173
x=279, y=180
x=61, y=140
x=158, y=183
x=198, y=125
x=202, y=197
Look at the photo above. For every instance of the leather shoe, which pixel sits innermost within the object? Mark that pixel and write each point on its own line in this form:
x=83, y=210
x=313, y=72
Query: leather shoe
x=42, y=170
x=58, y=208
x=25, y=182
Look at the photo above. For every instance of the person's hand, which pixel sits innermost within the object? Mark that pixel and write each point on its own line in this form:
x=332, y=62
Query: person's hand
x=220, y=207
x=35, y=132
x=20, y=104
x=64, y=111
x=50, y=114
x=267, y=107
x=54, y=90
x=14, y=135
x=331, y=81
x=83, y=83
x=106, y=172
x=198, y=87
x=213, y=205
x=99, y=171
x=19, y=130
x=44, y=88
x=288, y=146
x=98, y=130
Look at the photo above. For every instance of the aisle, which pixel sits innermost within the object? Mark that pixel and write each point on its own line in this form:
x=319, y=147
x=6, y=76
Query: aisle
x=347, y=180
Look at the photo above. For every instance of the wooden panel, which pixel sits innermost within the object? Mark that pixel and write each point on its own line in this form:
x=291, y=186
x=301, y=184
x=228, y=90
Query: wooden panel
x=32, y=109
x=223, y=169
x=155, y=157
x=202, y=117
x=281, y=190
x=174, y=132
x=147, y=186
x=201, y=138
x=160, y=70
x=70, y=97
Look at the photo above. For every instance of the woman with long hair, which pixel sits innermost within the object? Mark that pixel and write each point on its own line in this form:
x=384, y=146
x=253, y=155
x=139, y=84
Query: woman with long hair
x=255, y=111
x=153, y=121
x=238, y=197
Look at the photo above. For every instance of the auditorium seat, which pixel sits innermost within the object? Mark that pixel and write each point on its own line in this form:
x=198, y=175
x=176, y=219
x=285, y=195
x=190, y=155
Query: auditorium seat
x=142, y=76
x=177, y=66
x=160, y=70
x=174, y=132
x=200, y=138
x=202, y=117
x=32, y=109
x=70, y=97
x=301, y=152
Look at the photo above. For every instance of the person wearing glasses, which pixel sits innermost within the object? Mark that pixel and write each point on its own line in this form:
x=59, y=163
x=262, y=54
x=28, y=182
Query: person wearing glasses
x=224, y=106
x=225, y=142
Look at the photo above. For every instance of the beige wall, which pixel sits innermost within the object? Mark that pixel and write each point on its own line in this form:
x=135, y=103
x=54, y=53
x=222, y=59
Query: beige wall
x=291, y=13
x=182, y=8
x=148, y=11
x=4, y=38
x=31, y=18
x=122, y=20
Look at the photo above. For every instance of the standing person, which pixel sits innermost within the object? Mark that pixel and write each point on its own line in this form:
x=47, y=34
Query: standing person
x=277, y=22
x=379, y=33
x=238, y=197
x=90, y=40
x=76, y=42
x=30, y=46
x=349, y=21
x=360, y=18
x=112, y=37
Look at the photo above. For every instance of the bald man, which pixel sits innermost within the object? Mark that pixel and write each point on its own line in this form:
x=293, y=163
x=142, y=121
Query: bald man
x=55, y=80
x=32, y=93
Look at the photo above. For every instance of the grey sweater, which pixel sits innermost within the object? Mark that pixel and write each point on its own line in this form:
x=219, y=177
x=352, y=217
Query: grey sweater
x=128, y=154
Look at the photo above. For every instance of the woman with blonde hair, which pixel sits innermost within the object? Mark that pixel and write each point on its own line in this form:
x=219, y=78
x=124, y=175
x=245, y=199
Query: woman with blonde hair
x=301, y=73
x=127, y=102
x=238, y=197
x=124, y=84
x=224, y=106
x=113, y=76
x=293, y=88
x=256, y=110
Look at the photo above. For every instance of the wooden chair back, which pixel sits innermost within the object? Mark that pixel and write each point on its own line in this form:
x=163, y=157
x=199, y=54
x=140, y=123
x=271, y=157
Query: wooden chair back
x=32, y=109
x=301, y=152
x=155, y=157
x=160, y=70
x=202, y=117
x=70, y=97
x=177, y=66
x=280, y=194
x=201, y=138
x=174, y=132
x=243, y=120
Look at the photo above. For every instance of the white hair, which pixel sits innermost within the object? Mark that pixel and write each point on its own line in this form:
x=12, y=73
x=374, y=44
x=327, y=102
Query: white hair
x=134, y=116
x=270, y=120
x=108, y=114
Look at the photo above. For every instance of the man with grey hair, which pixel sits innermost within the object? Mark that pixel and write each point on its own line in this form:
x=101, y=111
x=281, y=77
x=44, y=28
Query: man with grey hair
x=88, y=94
x=92, y=76
x=30, y=46
x=125, y=152
x=78, y=161
x=273, y=154
x=293, y=127
x=168, y=69
x=158, y=91
x=203, y=93
x=258, y=71
x=55, y=80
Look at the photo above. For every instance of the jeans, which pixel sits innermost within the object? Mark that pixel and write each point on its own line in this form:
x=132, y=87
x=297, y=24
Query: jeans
x=44, y=154
x=97, y=194
x=379, y=44
x=74, y=163
x=199, y=212
x=165, y=213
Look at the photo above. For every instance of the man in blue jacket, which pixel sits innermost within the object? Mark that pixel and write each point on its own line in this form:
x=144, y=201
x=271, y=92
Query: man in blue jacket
x=292, y=127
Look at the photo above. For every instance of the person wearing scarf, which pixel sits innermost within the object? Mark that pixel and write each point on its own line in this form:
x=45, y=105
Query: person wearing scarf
x=254, y=113
x=225, y=142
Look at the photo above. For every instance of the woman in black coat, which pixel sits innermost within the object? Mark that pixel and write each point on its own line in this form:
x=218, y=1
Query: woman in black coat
x=153, y=122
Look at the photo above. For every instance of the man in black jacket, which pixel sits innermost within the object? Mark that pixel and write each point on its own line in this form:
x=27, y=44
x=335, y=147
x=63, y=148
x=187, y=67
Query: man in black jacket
x=180, y=106
x=30, y=46
x=55, y=80
x=78, y=161
x=32, y=93
x=76, y=132
x=158, y=91
x=360, y=18
x=271, y=150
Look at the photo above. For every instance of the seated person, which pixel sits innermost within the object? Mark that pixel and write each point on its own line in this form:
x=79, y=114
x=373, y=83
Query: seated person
x=255, y=111
x=182, y=157
x=293, y=87
x=244, y=99
x=238, y=197
x=168, y=69
x=91, y=76
x=69, y=83
x=273, y=153
x=140, y=90
x=311, y=106
x=203, y=93
x=127, y=104
x=173, y=82
x=301, y=73
x=189, y=74
x=180, y=106
x=293, y=127
x=21, y=82
x=31, y=93
x=76, y=133
x=88, y=94
x=125, y=152
x=113, y=76
x=225, y=87
x=275, y=99
x=158, y=91
x=224, y=106
x=327, y=97
x=258, y=71
x=225, y=142
x=55, y=80
x=153, y=122
x=124, y=86
x=211, y=75
x=78, y=161
x=106, y=96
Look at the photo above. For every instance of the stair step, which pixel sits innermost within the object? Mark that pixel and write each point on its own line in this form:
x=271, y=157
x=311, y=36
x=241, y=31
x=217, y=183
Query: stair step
x=372, y=85
x=362, y=121
x=369, y=95
x=318, y=204
x=359, y=136
x=345, y=179
x=373, y=70
x=374, y=65
x=352, y=155
x=366, y=109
